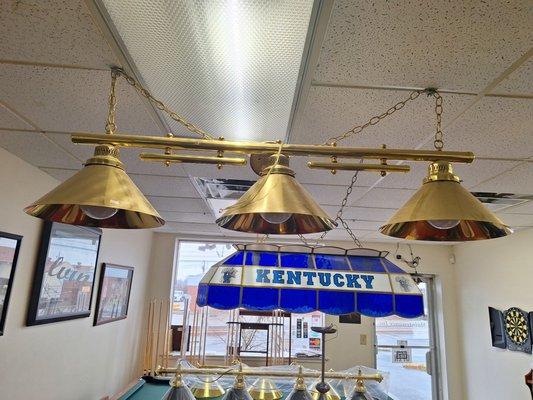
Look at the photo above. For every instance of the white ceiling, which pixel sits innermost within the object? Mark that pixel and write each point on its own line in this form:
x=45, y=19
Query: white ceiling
x=55, y=57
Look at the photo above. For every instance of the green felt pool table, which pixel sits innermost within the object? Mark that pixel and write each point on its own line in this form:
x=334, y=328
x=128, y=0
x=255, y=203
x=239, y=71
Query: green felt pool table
x=148, y=388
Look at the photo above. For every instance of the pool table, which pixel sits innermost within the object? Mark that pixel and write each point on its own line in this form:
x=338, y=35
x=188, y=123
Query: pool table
x=149, y=388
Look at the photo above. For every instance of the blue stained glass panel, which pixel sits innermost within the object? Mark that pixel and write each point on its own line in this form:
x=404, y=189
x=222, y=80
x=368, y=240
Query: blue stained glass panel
x=224, y=297
x=327, y=261
x=296, y=260
x=260, y=298
x=337, y=303
x=375, y=304
x=262, y=258
x=235, y=259
x=392, y=268
x=201, y=297
x=366, y=264
x=298, y=300
x=409, y=306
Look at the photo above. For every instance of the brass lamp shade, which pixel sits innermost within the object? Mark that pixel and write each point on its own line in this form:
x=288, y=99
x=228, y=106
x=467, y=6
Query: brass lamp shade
x=102, y=184
x=331, y=394
x=207, y=388
x=276, y=194
x=265, y=389
x=442, y=210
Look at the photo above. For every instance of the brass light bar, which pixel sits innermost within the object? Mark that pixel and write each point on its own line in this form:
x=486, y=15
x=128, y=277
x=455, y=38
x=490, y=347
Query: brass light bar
x=358, y=167
x=156, y=142
x=186, y=158
x=281, y=374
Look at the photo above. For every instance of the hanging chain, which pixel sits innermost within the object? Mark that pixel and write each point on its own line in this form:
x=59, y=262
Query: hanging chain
x=374, y=120
x=160, y=105
x=438, y=143
x=110, y=125
x=338, y=217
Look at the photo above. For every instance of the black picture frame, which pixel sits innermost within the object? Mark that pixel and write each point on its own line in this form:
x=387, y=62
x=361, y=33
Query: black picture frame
x=497, y=330
x=52, y=232
x=100, y=308
x=6, y=284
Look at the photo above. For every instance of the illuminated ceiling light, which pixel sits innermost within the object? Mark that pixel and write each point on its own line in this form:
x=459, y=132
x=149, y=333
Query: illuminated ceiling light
x=101, y=194
x=442, y=210
x=276, y=204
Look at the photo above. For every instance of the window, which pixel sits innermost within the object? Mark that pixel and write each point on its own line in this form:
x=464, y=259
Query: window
x=193, y=261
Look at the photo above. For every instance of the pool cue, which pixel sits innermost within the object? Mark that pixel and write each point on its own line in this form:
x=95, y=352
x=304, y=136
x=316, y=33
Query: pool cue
x=158, y=333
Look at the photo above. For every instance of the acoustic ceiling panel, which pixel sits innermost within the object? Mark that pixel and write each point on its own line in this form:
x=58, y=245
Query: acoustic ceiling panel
x=519, y=82
x=52, y=31
x=230, y=66
x=459, y=45
x=10, y=120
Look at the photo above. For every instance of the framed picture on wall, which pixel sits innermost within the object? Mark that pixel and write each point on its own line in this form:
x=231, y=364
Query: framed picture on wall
x=9, y=251
x=65, y=273
x=113, y=293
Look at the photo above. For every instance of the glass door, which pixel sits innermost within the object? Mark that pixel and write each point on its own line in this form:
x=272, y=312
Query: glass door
x=407, y=349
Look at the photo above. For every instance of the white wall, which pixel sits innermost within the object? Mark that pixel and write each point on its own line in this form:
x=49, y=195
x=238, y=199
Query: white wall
x=346, y=350
x=496, y=273
x=72, y=359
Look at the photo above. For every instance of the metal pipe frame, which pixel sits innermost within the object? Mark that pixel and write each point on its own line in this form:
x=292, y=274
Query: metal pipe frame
x=358, y=167
x=164, y=143
x=189, y=159
x=276, y=374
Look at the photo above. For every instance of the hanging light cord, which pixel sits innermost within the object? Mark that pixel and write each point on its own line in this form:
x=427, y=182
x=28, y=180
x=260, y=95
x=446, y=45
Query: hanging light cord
x=116, y=71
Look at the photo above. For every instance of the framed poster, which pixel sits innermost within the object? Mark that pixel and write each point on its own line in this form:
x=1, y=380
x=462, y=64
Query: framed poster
x=64, y=276
x=113, y=293
x=9, y=251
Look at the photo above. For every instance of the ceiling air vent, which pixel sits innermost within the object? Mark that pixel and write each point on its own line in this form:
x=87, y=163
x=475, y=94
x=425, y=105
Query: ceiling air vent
x=221, y=193
x=500, y=201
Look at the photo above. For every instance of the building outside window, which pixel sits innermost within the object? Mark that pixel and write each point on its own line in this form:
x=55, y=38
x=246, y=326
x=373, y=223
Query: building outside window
x=193, y=260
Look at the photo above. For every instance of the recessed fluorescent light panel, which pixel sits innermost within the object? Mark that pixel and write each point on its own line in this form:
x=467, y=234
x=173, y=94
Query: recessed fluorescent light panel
x=230, y=66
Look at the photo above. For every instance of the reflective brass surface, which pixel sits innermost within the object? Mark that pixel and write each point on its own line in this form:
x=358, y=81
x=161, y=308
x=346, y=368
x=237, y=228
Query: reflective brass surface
x=186, y=158
x=330, y=395
x=358, y=167
x=207, y=388
x=101, y=182
x=158, y=142
x=265, y=389
x=276, y=191
x=442, y=198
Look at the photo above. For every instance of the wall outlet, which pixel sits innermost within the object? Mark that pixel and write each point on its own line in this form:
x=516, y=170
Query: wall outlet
x=362, y=340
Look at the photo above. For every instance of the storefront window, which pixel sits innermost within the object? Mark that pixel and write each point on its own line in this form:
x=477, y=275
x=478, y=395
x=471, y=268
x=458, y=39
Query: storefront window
x=193, y=261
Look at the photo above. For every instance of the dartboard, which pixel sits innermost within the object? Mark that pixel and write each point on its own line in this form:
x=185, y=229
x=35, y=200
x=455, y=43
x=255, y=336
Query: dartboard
x=516, y=326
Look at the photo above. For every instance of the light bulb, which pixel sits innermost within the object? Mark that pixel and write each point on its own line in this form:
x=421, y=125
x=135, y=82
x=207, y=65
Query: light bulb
x=276, y=218
x=97, y=212
x=444, y=223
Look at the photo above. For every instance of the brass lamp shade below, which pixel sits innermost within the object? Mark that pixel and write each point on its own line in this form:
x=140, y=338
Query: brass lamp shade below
x=100, y=195
x=265, y=389
x=442, y=210
x=207, y=388
x=276, y=204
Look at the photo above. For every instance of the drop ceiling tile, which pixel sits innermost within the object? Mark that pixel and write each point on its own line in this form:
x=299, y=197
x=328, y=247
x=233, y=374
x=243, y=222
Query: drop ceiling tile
x=60, y=174
x=517, y=180
x=72, y=100
x=332, y=195
x=167, y=186
x=52, y=31
x=525, y=208
x=385, y=198
x=129, y=156
x=190, y=228
x=10, y=120
x=362, y=213
x=331, y=111
x=494, y=127
x=227, y=172
x=452, y=45
x=519, y=82
x=517, y=220
x=178, y=204
x=197, y=217
x=37, y=149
